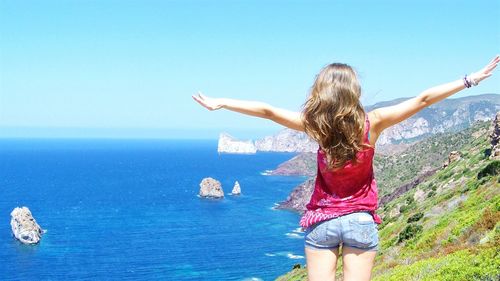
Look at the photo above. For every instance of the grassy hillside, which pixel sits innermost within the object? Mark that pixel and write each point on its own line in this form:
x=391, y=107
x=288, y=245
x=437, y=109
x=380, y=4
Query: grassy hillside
x=392, y=171
x=448, y=226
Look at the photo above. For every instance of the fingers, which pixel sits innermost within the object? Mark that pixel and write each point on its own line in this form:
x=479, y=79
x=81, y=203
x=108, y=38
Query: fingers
x=495, y=59
x=490, y=66
x=198, y=99
x=201, y=100
x=201, y=95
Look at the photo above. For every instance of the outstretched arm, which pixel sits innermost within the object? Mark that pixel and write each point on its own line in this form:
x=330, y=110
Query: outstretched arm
x=281, y=116
x=388, y=116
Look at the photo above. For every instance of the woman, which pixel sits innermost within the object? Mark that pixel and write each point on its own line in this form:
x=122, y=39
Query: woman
x=342, y=207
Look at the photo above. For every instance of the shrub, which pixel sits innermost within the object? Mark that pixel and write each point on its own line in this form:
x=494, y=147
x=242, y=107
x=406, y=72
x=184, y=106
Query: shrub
x=415, y=217
x=488, y=219
x=492, y=169
x=409, y=232
x=430, y=194
x=405, y=208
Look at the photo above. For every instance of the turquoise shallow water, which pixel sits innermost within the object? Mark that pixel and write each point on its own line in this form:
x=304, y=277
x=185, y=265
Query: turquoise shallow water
x=129, y=210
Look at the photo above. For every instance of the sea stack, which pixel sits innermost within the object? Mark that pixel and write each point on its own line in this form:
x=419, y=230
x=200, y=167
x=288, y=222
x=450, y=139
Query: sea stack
x=211, y=188
x=236, y=188
x=228, y=144
x=24, y=226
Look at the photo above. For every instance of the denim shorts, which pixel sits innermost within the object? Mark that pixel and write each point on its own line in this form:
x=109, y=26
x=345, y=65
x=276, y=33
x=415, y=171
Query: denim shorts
x=357, y=230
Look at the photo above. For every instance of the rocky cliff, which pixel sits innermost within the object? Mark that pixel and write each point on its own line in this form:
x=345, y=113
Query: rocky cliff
x=299, y=197
x=228, y=144
x=303, y=164
x=447, y=115
x=287, y=140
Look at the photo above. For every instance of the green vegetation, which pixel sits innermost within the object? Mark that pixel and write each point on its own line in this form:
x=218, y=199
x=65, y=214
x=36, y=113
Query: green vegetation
x=461, y=265
x=409, y=232
x=415, y=217
x=492, y=169
x=428, y=154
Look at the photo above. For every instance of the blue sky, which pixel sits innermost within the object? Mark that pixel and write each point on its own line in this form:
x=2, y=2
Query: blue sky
x=129, y=68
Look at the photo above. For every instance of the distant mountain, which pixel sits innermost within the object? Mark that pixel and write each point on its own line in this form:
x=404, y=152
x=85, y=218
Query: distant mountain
x=447, y=115
x=443, y=226
x=287, y=141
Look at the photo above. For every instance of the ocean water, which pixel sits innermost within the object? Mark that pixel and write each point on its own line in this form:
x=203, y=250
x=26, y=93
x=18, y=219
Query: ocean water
x=129, y=210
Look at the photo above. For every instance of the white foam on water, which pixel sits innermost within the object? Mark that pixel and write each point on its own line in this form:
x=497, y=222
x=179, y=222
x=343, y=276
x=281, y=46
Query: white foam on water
x=274, y=208
x=289, y=255
x=294, y=257
x=252, y=279
x=298, y=230
x=266, y=172
x=294, y=235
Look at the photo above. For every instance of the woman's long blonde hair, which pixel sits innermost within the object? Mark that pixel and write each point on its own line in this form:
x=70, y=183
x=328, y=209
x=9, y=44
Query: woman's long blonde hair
x=333, y=114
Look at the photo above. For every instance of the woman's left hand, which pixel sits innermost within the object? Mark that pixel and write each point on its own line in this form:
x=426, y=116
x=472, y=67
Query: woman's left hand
x=487, y=71
x=208, y=103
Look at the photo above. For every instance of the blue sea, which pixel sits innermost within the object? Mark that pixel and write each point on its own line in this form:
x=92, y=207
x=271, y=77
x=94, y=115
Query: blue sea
x=129, y=210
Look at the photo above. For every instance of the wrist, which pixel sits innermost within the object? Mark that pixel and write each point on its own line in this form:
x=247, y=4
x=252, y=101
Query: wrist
x=470, y=80
x=476, y=77
x=222, y=102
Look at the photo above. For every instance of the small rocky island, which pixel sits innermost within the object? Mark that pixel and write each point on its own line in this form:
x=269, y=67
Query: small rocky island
x=286, y=140
x=236, y=189
x=211, y=188
x=228, y=144
x=24, y=226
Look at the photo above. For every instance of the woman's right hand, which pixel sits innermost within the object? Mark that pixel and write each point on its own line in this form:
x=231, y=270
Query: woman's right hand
x=208, y=103
x=487, y=71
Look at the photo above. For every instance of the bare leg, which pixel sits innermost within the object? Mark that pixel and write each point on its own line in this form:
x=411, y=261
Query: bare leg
x=321, y=264
x=357, y=264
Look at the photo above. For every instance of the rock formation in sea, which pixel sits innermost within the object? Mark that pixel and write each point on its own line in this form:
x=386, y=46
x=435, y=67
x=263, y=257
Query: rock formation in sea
x=228, y=144
x=236, y=189
x=211, y=188
x=24, y=226
x=495, y=138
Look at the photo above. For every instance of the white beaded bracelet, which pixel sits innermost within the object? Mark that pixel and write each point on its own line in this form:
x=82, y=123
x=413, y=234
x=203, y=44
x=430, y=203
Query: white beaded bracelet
x=472, y=81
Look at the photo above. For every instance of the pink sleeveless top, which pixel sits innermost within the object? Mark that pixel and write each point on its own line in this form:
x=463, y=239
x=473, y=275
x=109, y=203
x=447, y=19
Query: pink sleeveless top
x=350, y=189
